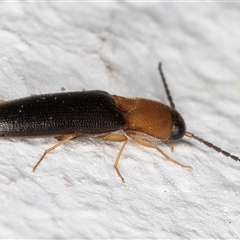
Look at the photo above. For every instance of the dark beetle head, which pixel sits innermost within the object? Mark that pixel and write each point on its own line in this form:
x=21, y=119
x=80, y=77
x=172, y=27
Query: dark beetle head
x=179, y=127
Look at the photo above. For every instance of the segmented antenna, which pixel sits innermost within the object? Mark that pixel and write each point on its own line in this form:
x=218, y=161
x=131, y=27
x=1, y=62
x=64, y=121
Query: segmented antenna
x=189, y=134
x=227, y=154
x=166, y=86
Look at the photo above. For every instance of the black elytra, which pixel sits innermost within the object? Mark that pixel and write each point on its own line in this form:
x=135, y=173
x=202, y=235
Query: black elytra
x=90, y=112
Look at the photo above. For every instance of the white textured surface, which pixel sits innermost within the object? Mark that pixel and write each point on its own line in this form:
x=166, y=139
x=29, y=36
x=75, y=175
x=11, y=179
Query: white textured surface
x=75, y=193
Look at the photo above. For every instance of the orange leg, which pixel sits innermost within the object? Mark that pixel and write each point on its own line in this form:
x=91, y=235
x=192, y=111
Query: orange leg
x=117, y=138
x=170, y=145
x=64, y=139
x=151, y=145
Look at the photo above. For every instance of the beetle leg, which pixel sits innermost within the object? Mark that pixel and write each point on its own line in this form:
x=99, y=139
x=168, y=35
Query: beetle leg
x=151, y=145
x=117, y=138
x=170, y=144
x=64, y=139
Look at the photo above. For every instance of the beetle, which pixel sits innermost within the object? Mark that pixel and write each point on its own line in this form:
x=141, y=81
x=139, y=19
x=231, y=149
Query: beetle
x=73, y=114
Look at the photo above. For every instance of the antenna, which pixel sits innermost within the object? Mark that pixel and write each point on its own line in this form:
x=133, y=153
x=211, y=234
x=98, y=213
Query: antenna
x=166, y=86
x=210, y=145
x=189, y=134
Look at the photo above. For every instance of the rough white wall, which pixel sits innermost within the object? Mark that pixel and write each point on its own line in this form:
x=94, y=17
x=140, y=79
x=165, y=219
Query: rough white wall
x=75, y=192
